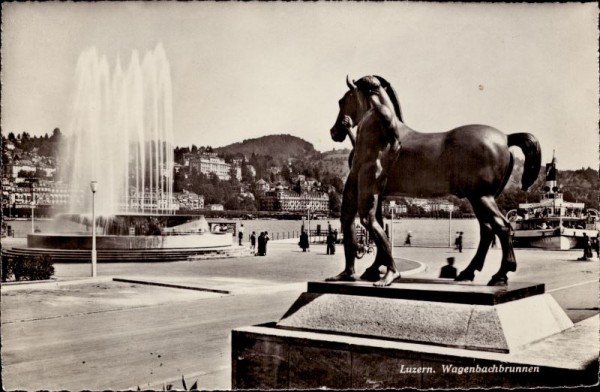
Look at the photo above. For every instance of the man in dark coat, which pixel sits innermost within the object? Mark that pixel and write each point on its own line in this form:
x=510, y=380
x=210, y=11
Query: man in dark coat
x=267, y=238
x=304, y=241
x=253, y=242
x=330, y=244
x=261, y=244
x=448, y=271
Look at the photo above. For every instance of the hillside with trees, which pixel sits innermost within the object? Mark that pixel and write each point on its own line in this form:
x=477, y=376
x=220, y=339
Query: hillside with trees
x=281, y=158
x=279, y=147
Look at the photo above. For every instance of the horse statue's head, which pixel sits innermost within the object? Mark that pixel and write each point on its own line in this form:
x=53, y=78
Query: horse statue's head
x=359, y=99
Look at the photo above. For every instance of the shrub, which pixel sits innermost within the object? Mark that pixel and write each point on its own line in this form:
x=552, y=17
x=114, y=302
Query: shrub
x=27, y=267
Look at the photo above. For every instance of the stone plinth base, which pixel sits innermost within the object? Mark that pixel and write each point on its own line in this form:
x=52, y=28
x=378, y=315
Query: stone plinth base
x=420, y=334
x=265, y=357
x=436, y=312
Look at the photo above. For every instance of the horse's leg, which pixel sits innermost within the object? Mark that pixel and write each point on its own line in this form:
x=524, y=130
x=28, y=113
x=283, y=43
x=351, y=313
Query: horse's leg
x=367, y=211
x=371, y=274
x=485, y=239
x=348, y=213
x=504, y=231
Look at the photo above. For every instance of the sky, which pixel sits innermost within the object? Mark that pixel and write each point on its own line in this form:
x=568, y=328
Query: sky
x=244, y=70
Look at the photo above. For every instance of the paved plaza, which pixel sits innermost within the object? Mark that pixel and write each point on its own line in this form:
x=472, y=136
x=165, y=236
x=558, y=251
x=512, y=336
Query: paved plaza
x=160, y=321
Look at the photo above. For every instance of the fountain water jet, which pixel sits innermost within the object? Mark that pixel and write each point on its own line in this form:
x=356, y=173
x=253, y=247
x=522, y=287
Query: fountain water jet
x=121, y=135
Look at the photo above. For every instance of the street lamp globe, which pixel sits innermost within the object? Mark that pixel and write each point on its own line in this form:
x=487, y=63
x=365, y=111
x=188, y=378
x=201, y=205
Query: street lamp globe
x=94, y=186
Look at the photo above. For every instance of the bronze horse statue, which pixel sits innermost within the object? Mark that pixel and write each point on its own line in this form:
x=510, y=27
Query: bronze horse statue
x=389, y=158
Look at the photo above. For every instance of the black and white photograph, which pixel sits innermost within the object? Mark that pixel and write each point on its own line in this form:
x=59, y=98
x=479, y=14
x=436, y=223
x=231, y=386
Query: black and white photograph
x=299, y=195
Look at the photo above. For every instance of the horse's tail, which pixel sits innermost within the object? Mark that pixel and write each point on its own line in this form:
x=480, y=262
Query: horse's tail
x=533, y=156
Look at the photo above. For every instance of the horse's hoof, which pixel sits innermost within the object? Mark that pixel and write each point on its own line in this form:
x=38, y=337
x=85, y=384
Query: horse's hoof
x=465, y=276
x=498, y=281
x=343, y=277
x=370, y=275
x=388, y=278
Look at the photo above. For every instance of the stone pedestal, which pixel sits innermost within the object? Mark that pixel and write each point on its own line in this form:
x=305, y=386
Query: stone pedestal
x=417, y=333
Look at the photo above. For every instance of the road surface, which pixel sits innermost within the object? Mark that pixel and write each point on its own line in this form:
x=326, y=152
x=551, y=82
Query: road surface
x=100, y=334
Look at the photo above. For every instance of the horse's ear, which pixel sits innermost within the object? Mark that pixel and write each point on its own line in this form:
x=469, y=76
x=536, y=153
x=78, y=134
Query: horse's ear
x=350, y=84
x=392, y=93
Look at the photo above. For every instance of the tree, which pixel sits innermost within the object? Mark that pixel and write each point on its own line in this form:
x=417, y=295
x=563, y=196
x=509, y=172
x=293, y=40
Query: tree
x=233, y=203
x=297, y=187
x=286, y=173
x=233, y=180
x=56, y=134
x=335, y=203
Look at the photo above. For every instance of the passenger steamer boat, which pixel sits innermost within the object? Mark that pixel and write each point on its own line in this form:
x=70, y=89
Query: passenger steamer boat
x=553, y=223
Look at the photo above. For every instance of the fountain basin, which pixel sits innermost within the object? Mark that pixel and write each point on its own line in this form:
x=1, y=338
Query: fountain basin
x=180, y=238
x=84, y=241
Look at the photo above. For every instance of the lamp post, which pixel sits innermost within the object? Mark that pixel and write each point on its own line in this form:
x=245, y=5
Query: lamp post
x=392, y=230
x=93, y=188
x=450, y=229
x=31, y=181
x=308, y=216
x=32, y=224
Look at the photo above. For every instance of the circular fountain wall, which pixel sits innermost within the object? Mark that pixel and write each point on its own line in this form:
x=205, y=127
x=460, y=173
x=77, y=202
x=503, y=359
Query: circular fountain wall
x=135, y=237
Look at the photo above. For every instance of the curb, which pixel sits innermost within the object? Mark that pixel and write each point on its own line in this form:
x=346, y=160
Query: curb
x=22, y=282
x=42, y=284
x=422, y=267
x=174, y=286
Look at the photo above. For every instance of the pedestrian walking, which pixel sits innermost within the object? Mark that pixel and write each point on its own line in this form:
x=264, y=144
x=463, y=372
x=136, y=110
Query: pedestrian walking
x=407, y=241
x=304, y=241
x=598, y=245
x=330, y=244
x=459, y=241
x=448, y=271
x=241, y=234
x=253, y=242
x=587, y=248
x=267, y=238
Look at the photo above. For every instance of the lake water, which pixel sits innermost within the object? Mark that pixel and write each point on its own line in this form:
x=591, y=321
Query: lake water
x=425, y=232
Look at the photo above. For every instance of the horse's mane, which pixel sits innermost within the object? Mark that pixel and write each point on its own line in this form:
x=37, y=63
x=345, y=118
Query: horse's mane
x=368, y=83
x=392, y=93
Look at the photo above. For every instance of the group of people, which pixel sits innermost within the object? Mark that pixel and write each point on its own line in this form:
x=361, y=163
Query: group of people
x=330, y=241
x=258, y=245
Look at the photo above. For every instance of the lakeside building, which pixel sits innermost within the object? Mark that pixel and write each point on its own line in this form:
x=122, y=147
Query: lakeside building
x=306, y=184
x=394, y=207
x=428, y=205
x=281, y=199
x=13, y=169
x=262, y=186
x=19, y=193
x=440, y=205
x=185, y=200
x=210, y=163
x=189, y=200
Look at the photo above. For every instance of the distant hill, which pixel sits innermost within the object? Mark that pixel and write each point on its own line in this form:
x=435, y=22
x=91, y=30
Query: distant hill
x=279, y=147
x=336, y=162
